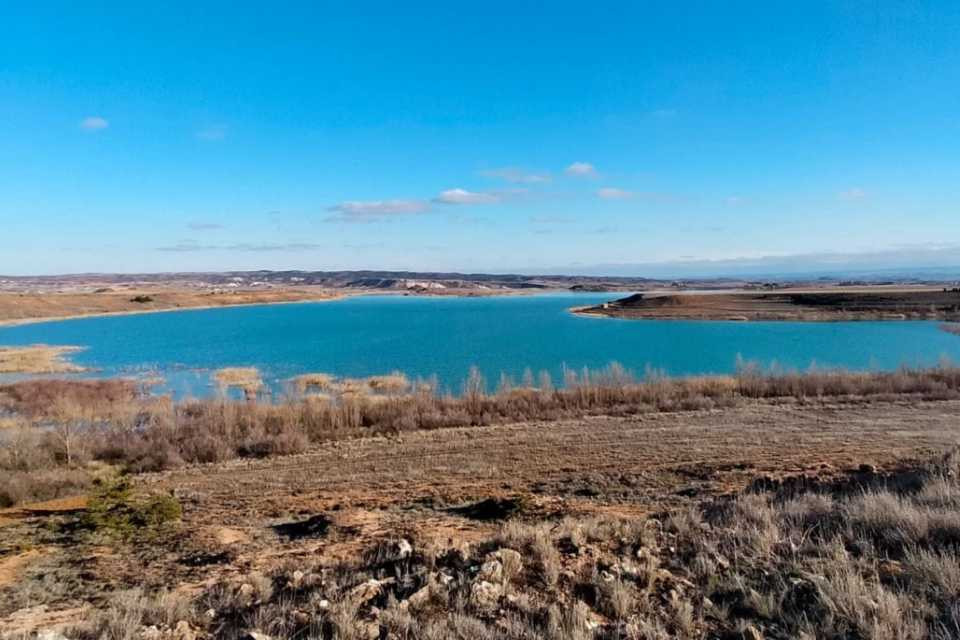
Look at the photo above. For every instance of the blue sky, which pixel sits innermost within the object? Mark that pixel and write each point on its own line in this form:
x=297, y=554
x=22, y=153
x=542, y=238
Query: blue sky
x=575, y=137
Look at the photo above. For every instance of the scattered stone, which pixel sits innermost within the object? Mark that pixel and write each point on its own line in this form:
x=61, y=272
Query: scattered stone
x=444, y=578
x=367, y=591
x=491, y=571
x=151, y=633
x=485, y=595
x=255, y=635
x=183, y=631
x=508, y=558
x=50, y=634
x=404, y=548
x=419, y=598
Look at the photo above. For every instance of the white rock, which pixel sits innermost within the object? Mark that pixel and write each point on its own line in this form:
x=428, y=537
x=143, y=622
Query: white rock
x=491, y=571
x=485, y=595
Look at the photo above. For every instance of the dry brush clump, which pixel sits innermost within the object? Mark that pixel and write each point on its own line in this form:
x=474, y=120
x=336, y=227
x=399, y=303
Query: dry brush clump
x=869, y=557
x=246, y=379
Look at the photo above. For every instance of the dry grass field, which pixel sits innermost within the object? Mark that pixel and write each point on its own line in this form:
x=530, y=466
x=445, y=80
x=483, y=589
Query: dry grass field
x=668, y=517
x=19, y=307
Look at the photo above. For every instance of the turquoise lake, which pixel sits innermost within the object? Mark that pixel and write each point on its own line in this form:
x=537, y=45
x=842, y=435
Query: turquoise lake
x=422, y=336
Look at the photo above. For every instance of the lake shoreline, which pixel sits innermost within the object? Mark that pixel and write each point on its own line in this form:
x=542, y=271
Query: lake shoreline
x=16, y=322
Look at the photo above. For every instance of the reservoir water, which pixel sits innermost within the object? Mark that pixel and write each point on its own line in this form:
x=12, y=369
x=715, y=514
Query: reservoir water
x=444, y=336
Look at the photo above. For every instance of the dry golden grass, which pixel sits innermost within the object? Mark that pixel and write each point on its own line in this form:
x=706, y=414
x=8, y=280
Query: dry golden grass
x=395, y=382
x=392, y=384
x=38, y=358
x=21, y=307
x=245, y=378
x=313, y=382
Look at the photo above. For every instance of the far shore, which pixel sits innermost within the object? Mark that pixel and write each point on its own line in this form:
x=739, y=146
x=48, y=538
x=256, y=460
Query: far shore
x=833, y=304
x=13, y=322
x=193, y=301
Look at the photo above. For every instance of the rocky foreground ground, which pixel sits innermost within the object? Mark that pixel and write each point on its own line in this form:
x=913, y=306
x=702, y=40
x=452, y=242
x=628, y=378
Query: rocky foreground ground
x=818, y=519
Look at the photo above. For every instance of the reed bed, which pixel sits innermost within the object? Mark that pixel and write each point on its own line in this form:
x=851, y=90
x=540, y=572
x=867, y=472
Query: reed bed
x=67, y=425
x=38, y=358
x=247, y=379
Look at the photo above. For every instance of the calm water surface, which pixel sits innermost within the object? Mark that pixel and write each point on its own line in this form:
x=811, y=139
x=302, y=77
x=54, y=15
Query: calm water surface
x=444, y=336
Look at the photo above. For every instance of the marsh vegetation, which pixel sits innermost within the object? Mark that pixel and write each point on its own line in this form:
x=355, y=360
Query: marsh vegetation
x=59, y=434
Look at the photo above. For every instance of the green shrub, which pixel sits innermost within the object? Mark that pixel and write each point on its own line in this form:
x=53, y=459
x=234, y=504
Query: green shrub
x=115, y=511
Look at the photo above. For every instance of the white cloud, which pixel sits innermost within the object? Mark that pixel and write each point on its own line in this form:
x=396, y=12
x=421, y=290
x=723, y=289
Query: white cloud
x=551, y=220
x=462, y=196
x=581, y=169
x=213, y=133
x=371, y=210
x=188, y=246
x=612, y=193
x=516, y=175
x=94, y=123
x=852, y=194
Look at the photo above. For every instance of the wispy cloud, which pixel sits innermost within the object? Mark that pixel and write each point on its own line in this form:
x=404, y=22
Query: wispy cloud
x=205, y=226
x=612, y=193
x=374, y=210
x=212, y=133
x=462, y=196
x=94, y=123
x=852, y=194
x=931, y=258
x=734, y=200
x=516, y=175
x=581, y=170
x=187, y=247
x=551, y=220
